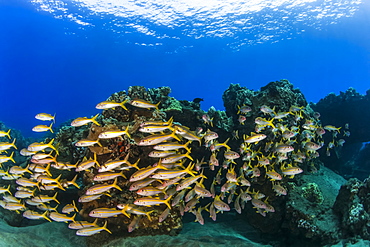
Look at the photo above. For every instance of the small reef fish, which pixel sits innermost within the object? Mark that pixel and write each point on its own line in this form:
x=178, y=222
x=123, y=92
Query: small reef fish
x=244, y=109
x=82, y=224
x=89, y=231
x=43, y=128
x=111, y=104
x=156, y=139
x=32, y=215
x=114, y=134
x=4, y=158
x=254, y=138
x=105, y=176
x=84, y=120
x=207, y=120
x=168, y=146
x=45, y=117
x=149, y=201
x=3, y=133
x=143, y=104
x=61, y=217
x=6, y=145
x=106, y=212
x=220, y=205
x=332, y=128
x=87, y=143
x=101, y=188
x=35, y=147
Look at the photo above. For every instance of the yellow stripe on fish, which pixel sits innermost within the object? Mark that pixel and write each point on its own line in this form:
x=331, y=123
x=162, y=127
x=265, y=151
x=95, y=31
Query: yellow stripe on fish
x=84, y=120
x=88, y=231
x=100, y=188
x=155, y=139
x=143, y=104
x=6, y=145
x=111, y=104
x=43, y=128
x=114, y=134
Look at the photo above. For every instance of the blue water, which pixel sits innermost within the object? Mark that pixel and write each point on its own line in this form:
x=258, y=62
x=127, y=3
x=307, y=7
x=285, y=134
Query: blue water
x=64, y=57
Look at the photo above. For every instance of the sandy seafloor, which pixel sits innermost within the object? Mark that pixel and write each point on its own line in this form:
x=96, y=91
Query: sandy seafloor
x=193, y=234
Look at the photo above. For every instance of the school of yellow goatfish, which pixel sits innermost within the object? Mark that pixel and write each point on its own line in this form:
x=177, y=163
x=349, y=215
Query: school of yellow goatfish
x=222, y=180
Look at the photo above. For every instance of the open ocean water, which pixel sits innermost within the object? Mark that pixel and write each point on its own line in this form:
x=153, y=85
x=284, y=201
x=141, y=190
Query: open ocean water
x=65, y=56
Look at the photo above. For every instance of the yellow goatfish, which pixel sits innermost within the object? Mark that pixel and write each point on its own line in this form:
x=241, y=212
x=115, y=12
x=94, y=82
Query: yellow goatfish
x=35, y=147
x=155, y=139
x=45, y=117
x=87, y=143
x=254, y=138
x=149, y=201
x=111, y=104
x=3, y=133
x=88, y=231
x=143, y=104
x=82, y=224
x=114, y=134
x=61, y=217
x=101, y=188
x=106, y=212
x=43, y=128
x=4, y=158
x=45, y=198
x=33, y=215
x=6, y=145
x=84, y=120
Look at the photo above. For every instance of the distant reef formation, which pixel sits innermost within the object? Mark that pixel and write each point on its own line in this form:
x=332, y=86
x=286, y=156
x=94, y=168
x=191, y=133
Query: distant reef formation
x=352, y=108
x=150, y=162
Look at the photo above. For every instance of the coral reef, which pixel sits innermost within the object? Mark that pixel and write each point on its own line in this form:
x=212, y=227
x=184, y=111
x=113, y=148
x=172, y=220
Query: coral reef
x=352, y=205
x=149, y=158
x=347, y=109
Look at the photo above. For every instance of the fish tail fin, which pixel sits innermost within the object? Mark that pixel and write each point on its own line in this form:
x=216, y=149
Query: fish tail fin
x=122, y=104
x=187, y=155
x=167, y=202
x=186, y=146
x=94, y=119
x=156, y=105
x=135, y=164
x=8, y=189
x=73, y=182
x=8, y=134
x=11, y=157
x=73, y=218
x=189, y=169
x=124, y=211
x=170, y=121
x=98, y=142
x=115, y=185
x=50, y=127
x=96, y=161
x=54, y=117
x=105, y=227
x=74, y=206
x=224, y=144
x=95, y=222
x=55, y=198
x=122, y=175
x=13, y=143
x=126, y=132
x=44, y=215
x=173, y=134
x=148, y=215
x=47, y=169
